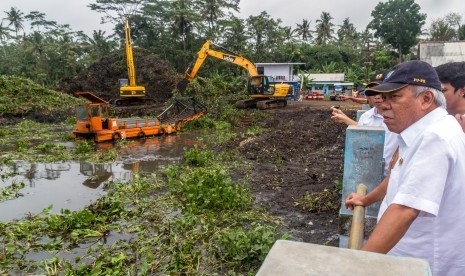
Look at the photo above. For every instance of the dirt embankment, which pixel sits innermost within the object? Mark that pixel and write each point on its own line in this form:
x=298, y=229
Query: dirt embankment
x=301, y=153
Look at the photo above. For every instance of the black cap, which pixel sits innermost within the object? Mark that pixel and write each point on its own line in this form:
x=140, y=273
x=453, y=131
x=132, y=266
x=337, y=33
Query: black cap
x=377, y=78
x=415, y=72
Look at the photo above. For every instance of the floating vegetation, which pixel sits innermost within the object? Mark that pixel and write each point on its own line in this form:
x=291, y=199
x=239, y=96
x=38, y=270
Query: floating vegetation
x=194, y=221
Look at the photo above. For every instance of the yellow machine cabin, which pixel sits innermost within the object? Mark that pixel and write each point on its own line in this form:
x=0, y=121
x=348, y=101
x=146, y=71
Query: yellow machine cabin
x=92, y=120
x=130, y=93
x=263, y=92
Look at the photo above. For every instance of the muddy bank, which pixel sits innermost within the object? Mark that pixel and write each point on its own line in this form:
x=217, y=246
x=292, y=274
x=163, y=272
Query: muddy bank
x=300, y=154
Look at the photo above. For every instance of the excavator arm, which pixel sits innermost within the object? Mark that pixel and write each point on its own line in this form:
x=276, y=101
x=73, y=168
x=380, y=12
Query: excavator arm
x=231, y=57
x=129, y=56
x=262, y=92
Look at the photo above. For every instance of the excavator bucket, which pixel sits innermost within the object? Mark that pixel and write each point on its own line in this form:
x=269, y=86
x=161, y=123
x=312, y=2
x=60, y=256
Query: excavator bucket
x=182, y=85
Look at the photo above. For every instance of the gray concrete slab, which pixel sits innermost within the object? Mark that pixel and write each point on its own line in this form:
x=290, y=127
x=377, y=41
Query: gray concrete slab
x=297, y=258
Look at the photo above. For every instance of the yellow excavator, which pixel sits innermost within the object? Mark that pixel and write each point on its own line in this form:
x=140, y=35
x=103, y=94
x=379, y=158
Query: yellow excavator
x=130, y=93
x=262, y=90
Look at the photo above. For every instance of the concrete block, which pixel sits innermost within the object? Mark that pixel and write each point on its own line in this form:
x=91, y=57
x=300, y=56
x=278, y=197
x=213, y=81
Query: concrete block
x=366, y=107
x=359, y=113
x=297, y=258
x=363, y=163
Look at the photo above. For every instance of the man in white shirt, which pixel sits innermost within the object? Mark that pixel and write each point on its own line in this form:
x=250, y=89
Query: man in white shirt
x=372, y=118
x=452, y=77
x=422, y=214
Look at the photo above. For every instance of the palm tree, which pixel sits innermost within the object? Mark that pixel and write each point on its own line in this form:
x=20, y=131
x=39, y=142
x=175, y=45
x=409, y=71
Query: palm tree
x=304, y=30
x=289, y=33
x=4, y=35
x=99, y=44
x=347, y=31
x=324, y=28
x=16, y=17
x=37, y=19
x=182, y=17
x=212, y=10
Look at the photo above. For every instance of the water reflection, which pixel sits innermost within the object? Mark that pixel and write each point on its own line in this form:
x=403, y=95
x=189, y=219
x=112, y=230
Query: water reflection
x=96, y=173
x=73, y=185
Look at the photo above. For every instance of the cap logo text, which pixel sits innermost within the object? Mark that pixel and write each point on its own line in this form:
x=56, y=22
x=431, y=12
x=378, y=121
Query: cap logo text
x=419, y=80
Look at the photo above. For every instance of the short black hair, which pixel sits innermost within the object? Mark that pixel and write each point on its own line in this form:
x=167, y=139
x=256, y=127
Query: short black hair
x=453, y=73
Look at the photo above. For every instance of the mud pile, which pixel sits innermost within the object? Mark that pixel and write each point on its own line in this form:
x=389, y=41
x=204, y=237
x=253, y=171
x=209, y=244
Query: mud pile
x=101, y=78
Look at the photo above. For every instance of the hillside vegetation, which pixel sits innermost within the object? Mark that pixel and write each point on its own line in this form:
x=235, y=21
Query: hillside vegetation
x=22, y=98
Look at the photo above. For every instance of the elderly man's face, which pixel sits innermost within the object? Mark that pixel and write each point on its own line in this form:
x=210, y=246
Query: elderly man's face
x=400, y=109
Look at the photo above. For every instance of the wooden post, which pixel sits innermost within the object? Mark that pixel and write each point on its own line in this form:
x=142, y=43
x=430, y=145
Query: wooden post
x=358, y=222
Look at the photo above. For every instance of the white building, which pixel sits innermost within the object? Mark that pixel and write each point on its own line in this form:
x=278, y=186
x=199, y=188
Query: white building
x=279, y=71
x=437, y=52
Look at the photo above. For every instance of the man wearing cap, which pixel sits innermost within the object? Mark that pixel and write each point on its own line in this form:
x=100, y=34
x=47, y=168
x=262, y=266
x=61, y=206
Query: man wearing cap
x=422, y=214
x=372, y=118
x=452, y=77
x=375, y=79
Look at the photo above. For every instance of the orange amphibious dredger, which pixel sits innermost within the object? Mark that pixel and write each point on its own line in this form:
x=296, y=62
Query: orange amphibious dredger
x=93, y=121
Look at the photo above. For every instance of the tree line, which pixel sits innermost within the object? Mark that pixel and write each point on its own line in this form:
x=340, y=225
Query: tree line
x=175, y=30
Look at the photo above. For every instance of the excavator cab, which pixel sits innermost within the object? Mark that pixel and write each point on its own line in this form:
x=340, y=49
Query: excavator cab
x=260, y=85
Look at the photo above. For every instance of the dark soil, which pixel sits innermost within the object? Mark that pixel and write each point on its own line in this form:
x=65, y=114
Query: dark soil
x=301, y=152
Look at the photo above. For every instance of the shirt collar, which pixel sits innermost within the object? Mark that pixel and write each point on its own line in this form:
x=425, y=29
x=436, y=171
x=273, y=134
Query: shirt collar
x=409, y=135
x=375, y=112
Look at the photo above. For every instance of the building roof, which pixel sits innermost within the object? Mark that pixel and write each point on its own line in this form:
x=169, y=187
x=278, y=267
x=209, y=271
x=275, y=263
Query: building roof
x=277, y=63
x=325, y=77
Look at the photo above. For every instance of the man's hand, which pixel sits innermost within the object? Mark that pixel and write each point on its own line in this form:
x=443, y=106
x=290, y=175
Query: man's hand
x=353, y=200
x=461, y=119
x=339, y=117
x=344, y=97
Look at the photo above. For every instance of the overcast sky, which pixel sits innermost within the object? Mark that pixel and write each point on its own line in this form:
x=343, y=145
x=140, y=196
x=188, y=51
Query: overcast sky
x=80, y=17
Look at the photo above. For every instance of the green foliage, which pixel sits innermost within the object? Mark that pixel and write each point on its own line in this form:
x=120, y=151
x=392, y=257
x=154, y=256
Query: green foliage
x=11, y=191
x=21, y=96
x=3, y=132
x=198, y=158
x=84, y=147
x=399, y=23
x=319, y=201
x=338, y=186
x=201, y=189
x=247, y=246
x=21, y=145
x=49, y=148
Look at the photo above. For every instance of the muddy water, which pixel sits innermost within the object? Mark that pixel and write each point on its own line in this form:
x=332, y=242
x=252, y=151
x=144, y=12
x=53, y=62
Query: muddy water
x=73, y=185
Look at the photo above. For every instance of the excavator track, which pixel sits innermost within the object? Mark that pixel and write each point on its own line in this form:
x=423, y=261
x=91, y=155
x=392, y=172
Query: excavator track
x=248, y=103
x=132, y=102
x=272, y=103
